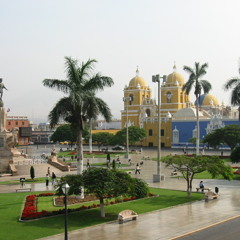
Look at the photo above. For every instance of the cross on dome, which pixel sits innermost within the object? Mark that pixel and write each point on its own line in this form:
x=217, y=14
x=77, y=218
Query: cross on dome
x=174, y=67
x=137, y=72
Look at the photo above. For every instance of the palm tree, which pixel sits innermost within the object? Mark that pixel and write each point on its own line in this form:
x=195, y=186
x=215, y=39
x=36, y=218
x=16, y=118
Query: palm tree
x=194, y=82
x=234, y=83
x=81, y=104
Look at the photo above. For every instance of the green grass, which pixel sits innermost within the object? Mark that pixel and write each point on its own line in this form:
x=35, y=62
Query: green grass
x=11, y=205
x=207, y=175
x=100, y=155
x=104, y=164
x=13, y=182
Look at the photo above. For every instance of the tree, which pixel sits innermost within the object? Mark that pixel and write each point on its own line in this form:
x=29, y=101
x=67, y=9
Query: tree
x=101, y=182
x=228, y=135
x=102, y=138
x=235, y=155
x=32, y=172
x=106, y=183
x=234, y=84
x=189, y=166
x=74, y=181
x=194, y=82
x=135, y=134
x=81, y=104
x=63, y=133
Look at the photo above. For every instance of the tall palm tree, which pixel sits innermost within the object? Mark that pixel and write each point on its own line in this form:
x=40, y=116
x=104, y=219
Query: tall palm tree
x=81, y=104
x=195, y=74
x=234, y=84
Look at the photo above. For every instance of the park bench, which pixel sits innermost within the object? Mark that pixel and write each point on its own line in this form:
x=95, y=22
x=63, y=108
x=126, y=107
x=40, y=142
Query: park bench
x=126, y=214
x=210, y=195
x=24, y=189
x=198, y=188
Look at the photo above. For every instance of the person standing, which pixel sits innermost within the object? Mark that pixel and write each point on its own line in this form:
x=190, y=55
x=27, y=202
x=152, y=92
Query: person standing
x=119, y=163
x=47, y=180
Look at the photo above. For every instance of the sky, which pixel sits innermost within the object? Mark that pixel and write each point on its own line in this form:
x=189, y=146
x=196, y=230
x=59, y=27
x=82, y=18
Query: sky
x=120, y=35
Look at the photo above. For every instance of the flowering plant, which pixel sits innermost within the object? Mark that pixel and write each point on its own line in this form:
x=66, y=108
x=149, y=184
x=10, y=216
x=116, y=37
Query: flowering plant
x=30, y=207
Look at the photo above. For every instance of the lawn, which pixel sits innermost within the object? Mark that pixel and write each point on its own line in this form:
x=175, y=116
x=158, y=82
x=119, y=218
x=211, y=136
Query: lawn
x=12, y=203
x=28, y=180
x=67, y=154
x=207, y=175
x=104, y=164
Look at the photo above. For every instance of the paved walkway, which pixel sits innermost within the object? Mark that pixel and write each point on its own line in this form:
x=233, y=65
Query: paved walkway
x=163, y=224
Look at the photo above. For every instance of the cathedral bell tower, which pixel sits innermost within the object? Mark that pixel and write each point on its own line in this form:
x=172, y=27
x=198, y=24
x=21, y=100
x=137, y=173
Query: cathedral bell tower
x=134, y=95
x=173, y=97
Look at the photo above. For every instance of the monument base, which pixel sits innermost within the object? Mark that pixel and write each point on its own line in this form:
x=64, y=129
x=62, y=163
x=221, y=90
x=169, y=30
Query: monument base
x=158, y=178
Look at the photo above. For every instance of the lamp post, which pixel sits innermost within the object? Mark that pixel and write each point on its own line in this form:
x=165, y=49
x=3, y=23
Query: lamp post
x=156, y=78
x=127, y=99
x=65, y=188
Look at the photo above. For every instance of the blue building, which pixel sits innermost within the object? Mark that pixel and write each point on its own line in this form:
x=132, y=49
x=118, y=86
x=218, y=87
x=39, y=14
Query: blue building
x=184, y=125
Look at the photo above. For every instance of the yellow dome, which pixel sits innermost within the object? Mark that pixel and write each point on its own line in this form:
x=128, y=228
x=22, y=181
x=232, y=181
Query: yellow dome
x=175, y=78
x=137, y=81
x=209, y=100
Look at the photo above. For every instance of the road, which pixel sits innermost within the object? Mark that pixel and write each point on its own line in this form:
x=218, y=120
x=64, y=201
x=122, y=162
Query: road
x=226, y=230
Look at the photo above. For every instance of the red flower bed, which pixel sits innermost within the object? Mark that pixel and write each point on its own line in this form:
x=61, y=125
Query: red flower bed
x=45, y=194
x=30, y=208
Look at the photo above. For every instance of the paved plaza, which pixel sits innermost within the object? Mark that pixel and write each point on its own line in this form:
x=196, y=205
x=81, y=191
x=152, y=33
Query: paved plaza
x=162, y=224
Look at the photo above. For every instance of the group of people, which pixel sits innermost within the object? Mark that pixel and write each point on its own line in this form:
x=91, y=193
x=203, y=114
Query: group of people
x=201, y=186
x=53, y=176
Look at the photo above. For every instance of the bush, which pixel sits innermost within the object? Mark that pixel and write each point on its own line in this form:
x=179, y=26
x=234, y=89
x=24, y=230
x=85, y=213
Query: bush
x=139, y=188
x=32, y=172
x=235, y=155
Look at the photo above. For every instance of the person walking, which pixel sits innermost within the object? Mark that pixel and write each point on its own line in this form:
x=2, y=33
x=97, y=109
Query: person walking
x=48, y=171
x=138, y=169
x=88, y=163
x=53, y=178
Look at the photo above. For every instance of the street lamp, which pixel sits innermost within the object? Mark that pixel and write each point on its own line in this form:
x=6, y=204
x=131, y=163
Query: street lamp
x=127, y=99
x=156, y=78
x=65, y=188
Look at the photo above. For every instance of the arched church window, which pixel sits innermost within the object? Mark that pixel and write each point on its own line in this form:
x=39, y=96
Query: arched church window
x=131, y=99
x=148, y=113
x=169, y=97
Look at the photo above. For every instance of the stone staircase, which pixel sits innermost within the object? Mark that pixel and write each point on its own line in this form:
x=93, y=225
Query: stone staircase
x=40, y=169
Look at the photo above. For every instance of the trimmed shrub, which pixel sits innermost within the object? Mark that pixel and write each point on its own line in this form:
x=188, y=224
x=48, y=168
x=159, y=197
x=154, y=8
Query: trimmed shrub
x=139, y=188
x=32, y=172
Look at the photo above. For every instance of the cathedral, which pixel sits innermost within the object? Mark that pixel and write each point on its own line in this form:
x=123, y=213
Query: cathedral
x=177, y=112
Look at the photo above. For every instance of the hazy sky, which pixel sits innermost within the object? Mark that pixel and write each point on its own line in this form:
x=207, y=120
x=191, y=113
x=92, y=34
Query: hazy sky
x=120, y=35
